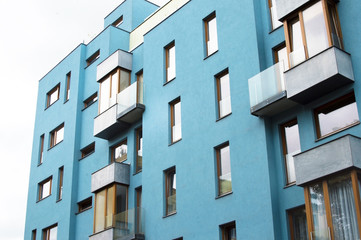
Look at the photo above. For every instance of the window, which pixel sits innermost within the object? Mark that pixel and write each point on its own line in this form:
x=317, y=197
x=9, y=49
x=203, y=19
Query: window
x=331, y=206
x=90, y=100
x=175, y=119
x=291, y=146
x=223, y=94
x=57, y=135
x=280, y=55
x=41, y=153
x=86, y=151
x=33, y=234
x=180, y=238
x=85, y=205
x=170, y=61
x=308, y=32
x=228, y=231
x=170, y=191
x=60, y=186
x=110, y=86
x=336, y=116
x=119, y=152
x=140, y=87
x=51, y=233
x=273, y=12
x=118, y=22
x=52, y=96
x=67, y=93
x=223, y=169
x=138, y=192
x=93, y=58
x=210, y=29
x=45, y=188
x=110, y=205
x=298, y=223
x=139, y=150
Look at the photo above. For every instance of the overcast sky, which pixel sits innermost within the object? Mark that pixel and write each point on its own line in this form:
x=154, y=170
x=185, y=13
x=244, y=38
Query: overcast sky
x=34, y=36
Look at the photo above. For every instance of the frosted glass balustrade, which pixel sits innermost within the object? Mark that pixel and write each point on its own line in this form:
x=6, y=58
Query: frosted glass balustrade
x=128, y=97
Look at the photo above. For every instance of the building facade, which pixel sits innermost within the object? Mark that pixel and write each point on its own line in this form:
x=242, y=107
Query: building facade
x=203, y=119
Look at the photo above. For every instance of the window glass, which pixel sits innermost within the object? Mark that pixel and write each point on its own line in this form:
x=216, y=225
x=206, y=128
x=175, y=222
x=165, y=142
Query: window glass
x=119, y=152
x=45, y=188
x=59, y=135
x=171, y=188
x=315, y=29
x=41, y=149
x=298, y=223
x=90, y=100
x=110, y=207
x=281, y=56
x=297, y=54
x=321, y=230
x=60, y=187
x=274, y=17
x=336, y=115
x=211, y=34
x=114, y=89
x=224, y=170
x=170, y=62
x=224, y=95
x=50, y=233
x=139, y=150
x=85, y=205
x=104, y=95
x=99, y=222
x=140, y=87
x=176, y=124
x=124, y=80
x=68, y=76
x=229, y=231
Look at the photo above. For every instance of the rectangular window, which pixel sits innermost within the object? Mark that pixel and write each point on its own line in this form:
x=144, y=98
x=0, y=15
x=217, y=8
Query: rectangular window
x=336, y=116
x=310, y=32
x=67, y=94
x=110, y=205
x=170, y=61
x=86, y=151
x=280, y=56
x=140, y=87
x=41, y=153
x=175, y=119
x=170, y=191
x=291, y=146
x=228, y=231
x=118, y=22
x=53, y=95
x=44, y=188
x=180, y=238
x=139, y=150
x=33, y=234
x=119, y=152
x=85, y=205
x=90, y=100
x=273, y=12
x=93, y=58
x=57, y=135
x=223, y=94
x=51, y=233
x=210, y=29
x=110, y=86
x=223, y=169
x=60, y=186
x=298, y=223
x=138, y=192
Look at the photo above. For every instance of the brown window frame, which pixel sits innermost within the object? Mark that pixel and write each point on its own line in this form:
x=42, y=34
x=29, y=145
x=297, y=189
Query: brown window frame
x=218, y=164
x=67, y=90
x=206, y=21
x=46, y=231
x=219, y=88
x=271, y=16
x=50, y=93
x=33, y=234
x=173, y=117
x=225, y=227
x=326, y=6
x=138, y=193
x=93, y=58
x=139, y=86
x=60, y=183
x=41, y=150
x=90, y=100
x=290, y=213
x=87, y=150
x=53, y=135
x=138, y=147
x=41, y=187
x=334, y=105
x=167, y=180
x=118, y=22
x=85, y=204
x=355, y=175
x=167, y=60
x=112, y=153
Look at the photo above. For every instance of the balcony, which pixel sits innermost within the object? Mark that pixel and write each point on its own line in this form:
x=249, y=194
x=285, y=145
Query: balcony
x=127, y=225
x=267, y=92
x=332, y=157
x=113, y=173
x=128, y=109
x=319, y=75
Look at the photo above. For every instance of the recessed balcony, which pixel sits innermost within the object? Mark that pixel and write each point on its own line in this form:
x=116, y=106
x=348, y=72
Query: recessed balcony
x=332, y=157
x=267, y=92
x=318, y=75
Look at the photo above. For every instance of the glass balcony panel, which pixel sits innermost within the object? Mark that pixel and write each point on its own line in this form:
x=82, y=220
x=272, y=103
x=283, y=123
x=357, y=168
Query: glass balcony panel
x=129, y=222
x=128, y=97
x=297, y=56
x=266, y=84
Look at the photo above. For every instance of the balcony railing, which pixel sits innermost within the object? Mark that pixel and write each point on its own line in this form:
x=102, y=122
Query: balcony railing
x=129, y=97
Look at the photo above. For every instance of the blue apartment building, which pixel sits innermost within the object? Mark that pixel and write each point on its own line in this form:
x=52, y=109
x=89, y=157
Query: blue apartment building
x=203, y=120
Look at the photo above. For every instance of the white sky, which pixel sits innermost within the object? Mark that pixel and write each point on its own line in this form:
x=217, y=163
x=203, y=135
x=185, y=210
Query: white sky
x=34, y=36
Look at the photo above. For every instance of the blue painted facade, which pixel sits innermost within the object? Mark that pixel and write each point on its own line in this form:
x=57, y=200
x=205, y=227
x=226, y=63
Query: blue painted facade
x=259, y=200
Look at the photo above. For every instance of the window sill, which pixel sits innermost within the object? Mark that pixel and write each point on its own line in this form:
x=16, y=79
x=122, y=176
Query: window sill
x=169, y=81
x=288, y=185
x=84, y=210
x=219, y=119
x=66, y=101
x=137, y=172
x=59, y=200
x=224, y=195
x=39, y=164
x=43, y=198
x=170, y=214
x=337, y=131
x=55, y=145
x=51, y=104
x=210, y=55
x=174, y=142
